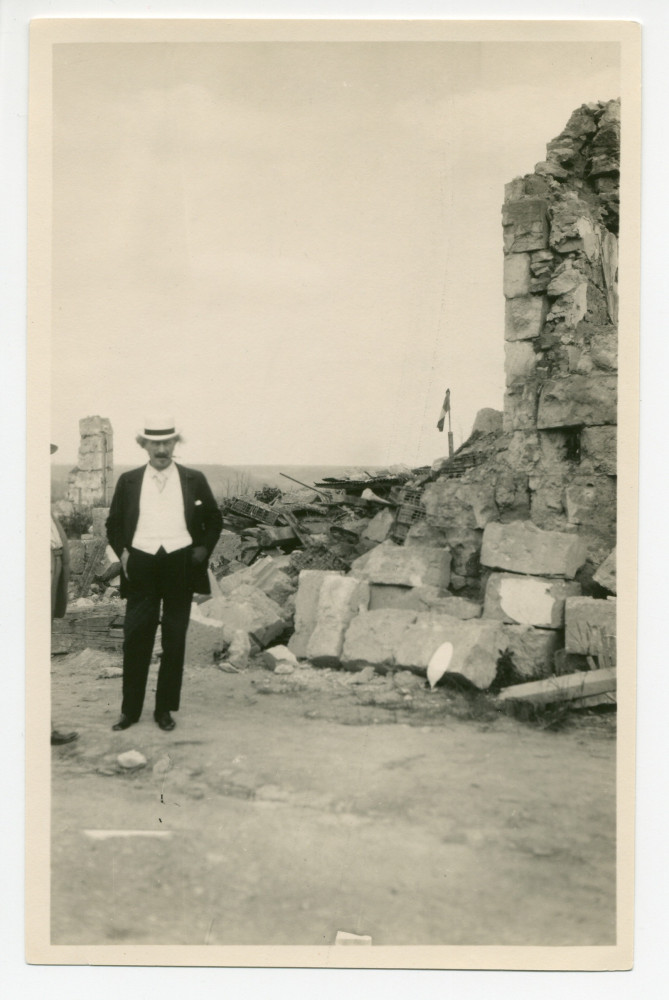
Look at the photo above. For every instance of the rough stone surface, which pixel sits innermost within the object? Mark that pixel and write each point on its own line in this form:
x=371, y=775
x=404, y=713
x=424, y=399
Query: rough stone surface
x=524, y=317
x=606, y=574
x=408, y=565
x=520, y=407
x=599, y=449
x=590, y=503
x=476, y=646
x=271, y=657
x=527, y=600
x=532, y=650
x=525, y=225
x=310, y=582
x=590, y=625
x=523, y=548
x=248, y=609
x=520, y=361
x=341, y=599
x=578, y=400
x=379, y=527
x=239, y=649
x=565, y=688
x=373, y=637
x=488, y=421
x=516, y=275
x=423, y=599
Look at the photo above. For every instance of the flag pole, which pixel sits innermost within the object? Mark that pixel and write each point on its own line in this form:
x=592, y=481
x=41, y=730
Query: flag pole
x=450, y=434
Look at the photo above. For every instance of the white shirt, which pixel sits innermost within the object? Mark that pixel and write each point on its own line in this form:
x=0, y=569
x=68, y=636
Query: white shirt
x=161, y=512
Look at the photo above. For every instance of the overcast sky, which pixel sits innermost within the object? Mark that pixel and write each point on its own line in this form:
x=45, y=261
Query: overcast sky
x=295, y=248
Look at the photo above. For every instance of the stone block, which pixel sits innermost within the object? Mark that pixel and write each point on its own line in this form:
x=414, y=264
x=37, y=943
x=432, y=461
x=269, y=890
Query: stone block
x=531, y=650
x=266, y=574
x=599, y=449
x=272, y=657
x=604, y=349
x=408, y=565
x=590, y=626
x=520, y=361
x=524, y=317
x=423, y=599
x=516, y=275
x=341, y=599
x=453, y=503
x=488, y=421
x=379, y=527
x=528, y=600
x=525, y=225
x=373, y=637
x=520, y=407
x=476, y=647
x=308, y=594
x=248, y=609
x=578, y=400
x=204, y=642
x=591, y=503
x=606, y=574
x=571, y=307
x=566, y=278
x=523, y=548
x=565, y=688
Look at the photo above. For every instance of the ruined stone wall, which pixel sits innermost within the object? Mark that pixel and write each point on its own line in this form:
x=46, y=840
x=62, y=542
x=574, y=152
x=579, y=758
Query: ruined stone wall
x=90, y=483
x=560, y=228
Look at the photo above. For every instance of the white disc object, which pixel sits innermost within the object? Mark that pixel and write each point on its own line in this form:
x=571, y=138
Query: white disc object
x=439, y=663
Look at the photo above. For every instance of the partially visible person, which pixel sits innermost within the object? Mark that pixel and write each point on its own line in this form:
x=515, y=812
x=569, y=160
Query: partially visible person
x=60, y=576
x=163, y=525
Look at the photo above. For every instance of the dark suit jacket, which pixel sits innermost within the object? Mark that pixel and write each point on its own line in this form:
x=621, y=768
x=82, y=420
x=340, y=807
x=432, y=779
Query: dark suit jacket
x=203, y=518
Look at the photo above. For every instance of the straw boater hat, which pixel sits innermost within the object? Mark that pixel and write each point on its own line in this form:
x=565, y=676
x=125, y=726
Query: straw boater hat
x=159, y=427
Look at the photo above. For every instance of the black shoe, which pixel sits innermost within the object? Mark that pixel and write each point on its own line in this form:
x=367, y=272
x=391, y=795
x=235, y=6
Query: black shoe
x=164, y=720
x=58, y=738
x=123, y=723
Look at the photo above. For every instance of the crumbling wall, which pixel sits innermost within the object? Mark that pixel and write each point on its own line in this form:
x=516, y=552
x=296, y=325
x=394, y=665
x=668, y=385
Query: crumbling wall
x=90, y=483
x=560, y=228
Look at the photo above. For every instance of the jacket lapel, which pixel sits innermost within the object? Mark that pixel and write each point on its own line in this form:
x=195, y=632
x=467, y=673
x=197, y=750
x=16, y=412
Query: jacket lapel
x=134, y=482
x=188, y=493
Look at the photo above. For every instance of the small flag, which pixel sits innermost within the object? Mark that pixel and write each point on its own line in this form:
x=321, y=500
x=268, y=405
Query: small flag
x=444, y=410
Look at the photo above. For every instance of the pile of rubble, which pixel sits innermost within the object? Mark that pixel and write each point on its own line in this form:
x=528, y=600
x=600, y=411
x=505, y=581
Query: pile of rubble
x=495, y=567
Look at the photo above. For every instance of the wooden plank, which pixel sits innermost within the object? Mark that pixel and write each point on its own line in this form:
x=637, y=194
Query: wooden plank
x=565, y=687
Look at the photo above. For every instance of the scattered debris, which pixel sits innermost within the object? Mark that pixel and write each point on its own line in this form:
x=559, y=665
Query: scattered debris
x=131, y=760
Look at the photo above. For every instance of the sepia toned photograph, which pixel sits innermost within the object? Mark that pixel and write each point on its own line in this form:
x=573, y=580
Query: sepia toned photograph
x=325, y=326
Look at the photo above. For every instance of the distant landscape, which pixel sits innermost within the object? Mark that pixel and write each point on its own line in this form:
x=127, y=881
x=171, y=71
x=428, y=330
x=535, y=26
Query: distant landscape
x=235, y=480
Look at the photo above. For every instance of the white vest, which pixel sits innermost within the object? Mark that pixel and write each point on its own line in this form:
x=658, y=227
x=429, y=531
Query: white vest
x=161, y=513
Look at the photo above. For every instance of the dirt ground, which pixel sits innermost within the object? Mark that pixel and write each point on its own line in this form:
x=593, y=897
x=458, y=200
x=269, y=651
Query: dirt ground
x=283, y=809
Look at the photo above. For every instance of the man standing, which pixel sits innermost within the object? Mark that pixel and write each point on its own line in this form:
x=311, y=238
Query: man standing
x=163, y=525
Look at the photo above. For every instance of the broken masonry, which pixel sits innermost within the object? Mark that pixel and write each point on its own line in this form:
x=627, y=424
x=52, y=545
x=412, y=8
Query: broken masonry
x=497, y=562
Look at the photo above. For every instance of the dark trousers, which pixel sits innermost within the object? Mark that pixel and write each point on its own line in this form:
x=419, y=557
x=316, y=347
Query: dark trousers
x=166, y=578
